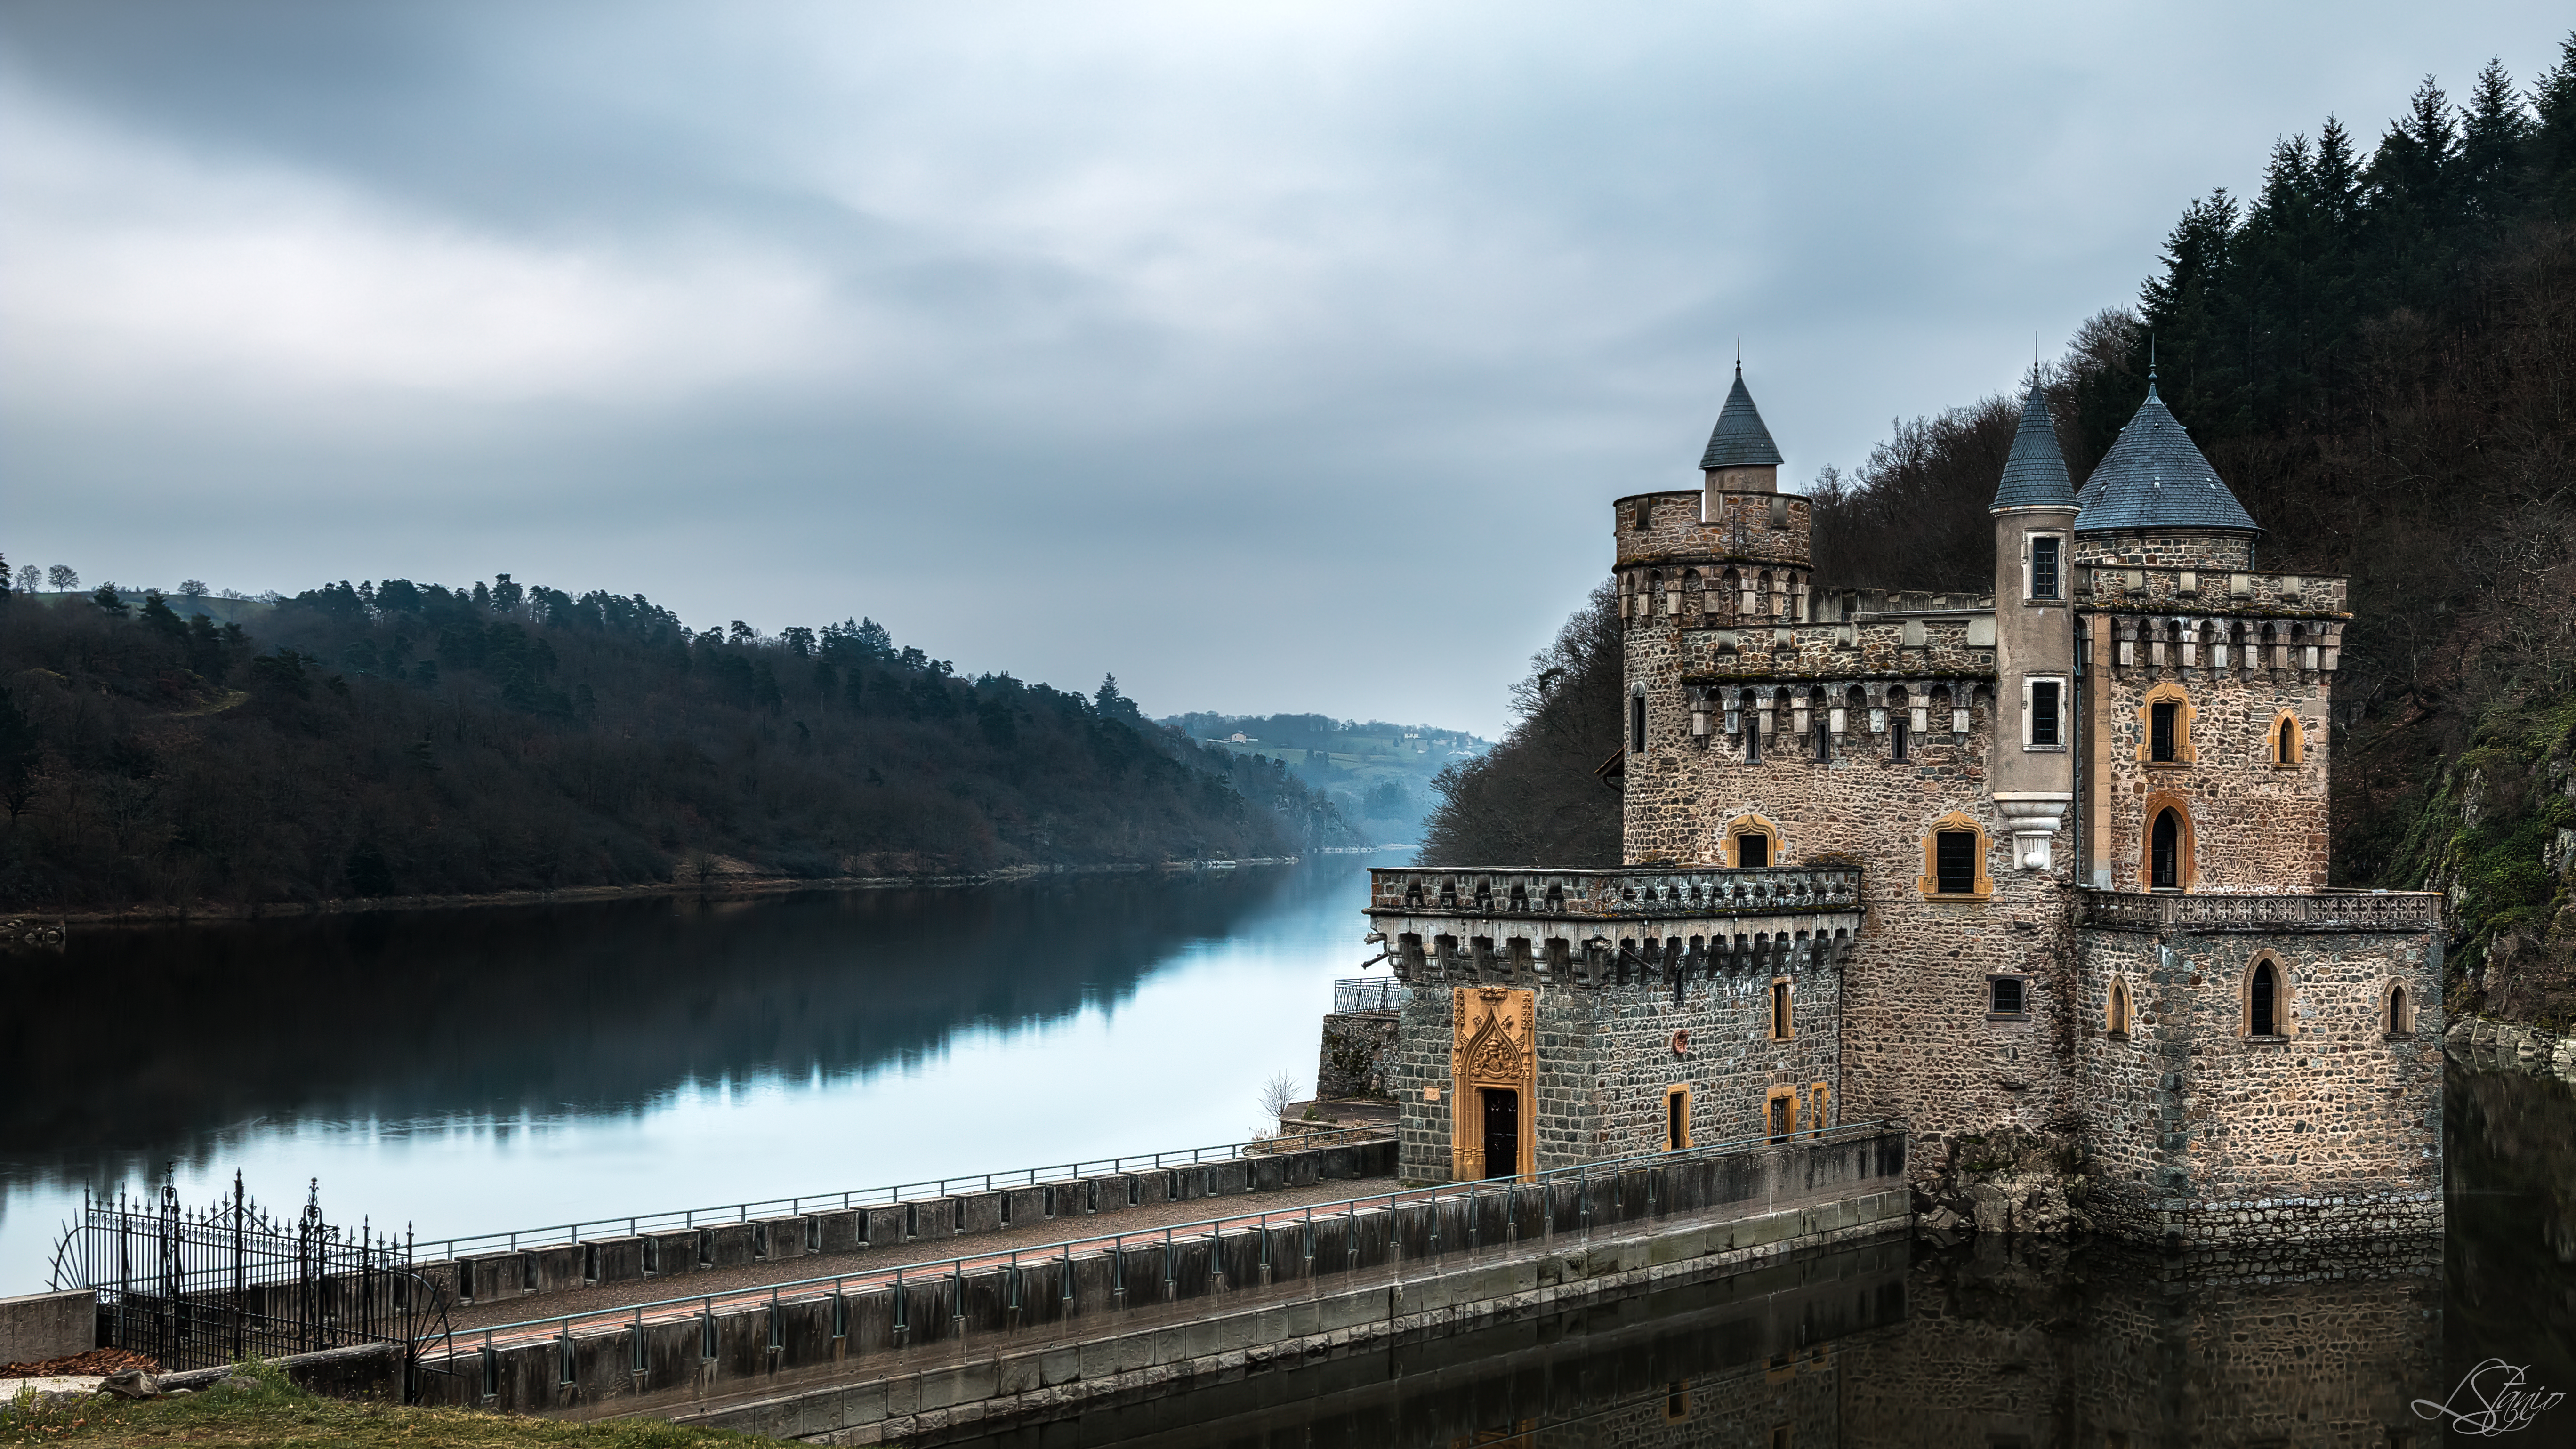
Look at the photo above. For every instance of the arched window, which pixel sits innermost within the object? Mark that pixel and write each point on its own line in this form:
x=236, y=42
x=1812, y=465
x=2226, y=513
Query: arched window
x=1954, y=860
x=2165, y=871
x=2116, y=1020
x=2165, y=718
x=2400, y=1023
x=2263, y=1001
x=2288, y=745
x=1751, y=843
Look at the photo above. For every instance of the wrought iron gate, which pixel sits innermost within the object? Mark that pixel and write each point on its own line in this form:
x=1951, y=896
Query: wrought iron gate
x=201, y=1289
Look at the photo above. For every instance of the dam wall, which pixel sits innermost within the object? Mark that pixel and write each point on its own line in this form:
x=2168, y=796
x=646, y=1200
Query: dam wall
x=891, y=1355
x=769, y=1233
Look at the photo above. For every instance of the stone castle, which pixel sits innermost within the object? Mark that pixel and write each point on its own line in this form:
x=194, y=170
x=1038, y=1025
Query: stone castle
x=2041, y=866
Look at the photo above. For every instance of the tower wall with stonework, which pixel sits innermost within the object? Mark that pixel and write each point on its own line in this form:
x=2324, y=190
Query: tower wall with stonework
x=2200, y=1131
x=2235, y=656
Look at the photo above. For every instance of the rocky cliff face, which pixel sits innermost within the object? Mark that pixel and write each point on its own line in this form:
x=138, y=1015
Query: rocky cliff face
x=2498, y=838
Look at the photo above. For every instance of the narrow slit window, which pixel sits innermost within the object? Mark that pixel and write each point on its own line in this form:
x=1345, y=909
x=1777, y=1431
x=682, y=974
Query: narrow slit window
x=1752, y=741
x=1899, y=741
x=2160, y=732
x=2288, y=752
x=1636, y=724
x=1954, y=860
x=2265, y=1001
x=2119, y=1023
x=1676, y=1120
x=2043, y=568
x=1780, y=1021
x=2397, y=1011
x=1824, y=743
x=2043, y=712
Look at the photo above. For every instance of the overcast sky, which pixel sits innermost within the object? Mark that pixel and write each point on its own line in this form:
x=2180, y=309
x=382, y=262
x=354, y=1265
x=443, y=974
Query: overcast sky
x=1274, y=356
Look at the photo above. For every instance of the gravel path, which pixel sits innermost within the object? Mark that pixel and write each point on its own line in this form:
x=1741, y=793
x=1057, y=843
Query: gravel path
x=753, y=1276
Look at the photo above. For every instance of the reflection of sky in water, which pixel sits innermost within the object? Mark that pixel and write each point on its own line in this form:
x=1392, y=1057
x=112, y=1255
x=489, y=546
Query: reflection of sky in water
x=1171, y=1055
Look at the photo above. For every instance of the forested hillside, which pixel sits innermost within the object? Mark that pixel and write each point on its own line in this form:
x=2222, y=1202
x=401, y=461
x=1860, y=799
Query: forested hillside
x=1378, y=775
x=392, y=739
x=2378, y=353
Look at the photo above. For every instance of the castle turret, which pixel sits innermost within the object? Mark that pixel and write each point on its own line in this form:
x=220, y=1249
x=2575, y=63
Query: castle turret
x=2033, y=774
x=1741, y=457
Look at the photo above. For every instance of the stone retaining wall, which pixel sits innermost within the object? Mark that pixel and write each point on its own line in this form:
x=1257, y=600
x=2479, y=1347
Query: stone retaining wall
x=675, y=1254
x=820, y=1361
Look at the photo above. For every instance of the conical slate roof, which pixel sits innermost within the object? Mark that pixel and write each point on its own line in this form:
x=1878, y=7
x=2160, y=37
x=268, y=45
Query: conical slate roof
x=2035, y=474
x=2155, y=477
x=1740, y=440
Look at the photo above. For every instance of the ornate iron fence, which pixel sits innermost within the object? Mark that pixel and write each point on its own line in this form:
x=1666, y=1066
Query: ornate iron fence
x=201, y=1288
x=1369, y=993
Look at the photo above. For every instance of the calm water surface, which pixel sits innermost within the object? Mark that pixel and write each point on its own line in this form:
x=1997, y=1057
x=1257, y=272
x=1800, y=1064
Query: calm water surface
x=489, y=1069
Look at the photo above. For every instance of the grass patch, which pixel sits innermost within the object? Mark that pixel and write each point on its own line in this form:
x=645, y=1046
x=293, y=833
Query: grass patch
x=270, y=1411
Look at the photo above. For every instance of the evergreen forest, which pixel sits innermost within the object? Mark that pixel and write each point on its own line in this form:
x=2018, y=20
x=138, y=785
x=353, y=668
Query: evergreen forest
x=392, y=739
x=2377, y=351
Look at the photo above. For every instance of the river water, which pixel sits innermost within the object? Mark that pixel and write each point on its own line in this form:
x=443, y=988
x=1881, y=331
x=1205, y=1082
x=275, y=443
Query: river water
x=482, y=1070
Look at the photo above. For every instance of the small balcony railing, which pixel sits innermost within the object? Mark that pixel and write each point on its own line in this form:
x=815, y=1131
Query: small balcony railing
x=1633, y=893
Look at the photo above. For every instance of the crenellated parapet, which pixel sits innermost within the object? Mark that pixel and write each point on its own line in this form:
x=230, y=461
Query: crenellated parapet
x=1609, y=927
x=2242, y=592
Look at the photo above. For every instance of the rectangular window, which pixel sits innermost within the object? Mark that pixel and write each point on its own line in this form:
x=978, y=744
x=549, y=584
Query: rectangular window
x=2043, y=712
x=2006, y=994
x=2160, y=733
x=1954, y=860
x=1752, y=739
x=1752, y=850
x=1897, y=741
x=1636, y=724
x=1676, y=1120
x=2043, y=568
x=1824, y=743
x=1780, y=1022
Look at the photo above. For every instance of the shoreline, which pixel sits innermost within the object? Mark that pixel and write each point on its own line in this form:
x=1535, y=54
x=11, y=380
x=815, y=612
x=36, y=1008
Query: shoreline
x=729, y=886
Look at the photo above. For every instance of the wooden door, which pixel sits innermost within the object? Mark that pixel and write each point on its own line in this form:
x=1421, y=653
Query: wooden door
x=1502, y=1132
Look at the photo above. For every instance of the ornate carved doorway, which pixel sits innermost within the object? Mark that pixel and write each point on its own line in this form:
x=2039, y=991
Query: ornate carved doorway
x=1493, y=1069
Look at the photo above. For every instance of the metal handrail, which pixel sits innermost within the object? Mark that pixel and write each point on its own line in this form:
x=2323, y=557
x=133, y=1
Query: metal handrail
x=686, y=1218
x=1369, y=993
x=1063, y=1248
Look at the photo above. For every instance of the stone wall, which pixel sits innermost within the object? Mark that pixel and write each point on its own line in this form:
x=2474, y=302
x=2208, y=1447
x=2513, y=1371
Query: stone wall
x=2199, y=1132
x=1606, y=1061
x=1358, y=1057
x=2254, y=826
x=672, y=1254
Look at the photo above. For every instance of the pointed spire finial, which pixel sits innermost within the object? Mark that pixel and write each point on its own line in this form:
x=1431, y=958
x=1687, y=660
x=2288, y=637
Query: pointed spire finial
x=2151, y=365
x=1739, y=355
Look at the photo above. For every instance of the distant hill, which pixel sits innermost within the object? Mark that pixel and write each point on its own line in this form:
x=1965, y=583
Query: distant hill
x=400, y=739
x=1378, y=775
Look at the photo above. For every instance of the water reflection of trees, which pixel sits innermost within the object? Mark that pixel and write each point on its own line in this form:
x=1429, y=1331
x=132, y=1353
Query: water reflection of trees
x=2510, y=1156
x=167, y=1035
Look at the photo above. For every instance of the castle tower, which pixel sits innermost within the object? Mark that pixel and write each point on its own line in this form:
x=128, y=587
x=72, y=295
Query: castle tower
x=2033, y=767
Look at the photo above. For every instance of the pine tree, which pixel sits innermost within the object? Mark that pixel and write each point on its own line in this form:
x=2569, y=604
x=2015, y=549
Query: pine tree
x=2494, y=131
x=2553, y=138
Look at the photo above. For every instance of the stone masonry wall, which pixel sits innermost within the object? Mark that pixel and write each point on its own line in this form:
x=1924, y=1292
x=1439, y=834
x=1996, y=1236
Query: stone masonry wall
x=2199, y=1132
x=1358, y=1057
x=1605, y=1062
x=2255, y=826
x=1918, y=1041
x=2166, y=548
